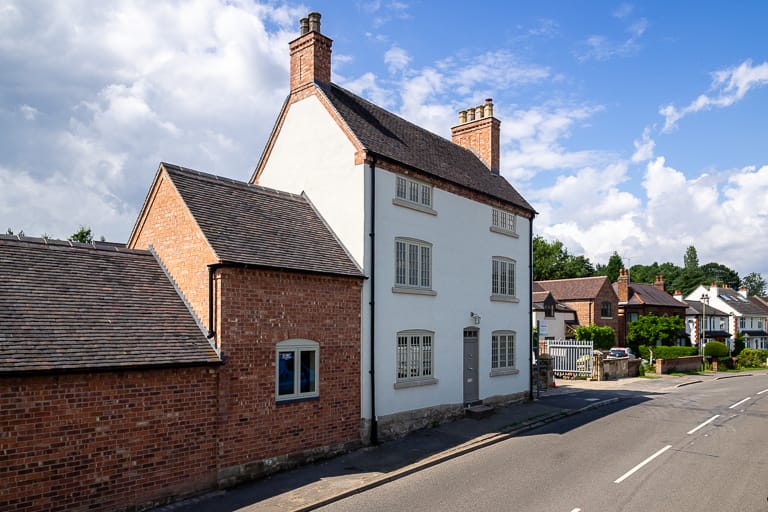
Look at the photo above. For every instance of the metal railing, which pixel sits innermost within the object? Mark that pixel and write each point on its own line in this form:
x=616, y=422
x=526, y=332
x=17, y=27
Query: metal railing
x=570, y=357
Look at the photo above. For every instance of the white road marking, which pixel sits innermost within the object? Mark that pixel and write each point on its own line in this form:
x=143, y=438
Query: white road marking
x=763, y=391
x=710, y=420
x=590, y=400
x=576, y=510
x=636, y=468
x=739, y=403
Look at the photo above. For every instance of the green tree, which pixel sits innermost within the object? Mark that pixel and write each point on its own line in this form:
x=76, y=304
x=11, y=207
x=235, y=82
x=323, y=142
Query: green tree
x=691, y=258
x=719, y=273
x=602, y=336
x=612, y=268
x=755, y=284
x=551, y=260
x=83, y=235
x=652, y=329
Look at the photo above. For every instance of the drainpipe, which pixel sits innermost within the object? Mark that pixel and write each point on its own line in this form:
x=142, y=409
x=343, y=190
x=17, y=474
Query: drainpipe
x=372, y=371
x=530, y=312
x=211, y=270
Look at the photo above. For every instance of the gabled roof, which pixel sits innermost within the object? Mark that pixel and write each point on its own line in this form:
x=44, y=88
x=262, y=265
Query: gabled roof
x=760, y=303
x=68, y=306
x=695, y=307
x=649, y=295
x=580, y=288
x=539, y=299
x=392, y=137
x=253, y=225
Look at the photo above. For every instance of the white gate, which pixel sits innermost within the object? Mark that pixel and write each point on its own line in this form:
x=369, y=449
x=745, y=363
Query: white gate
x=570, y=357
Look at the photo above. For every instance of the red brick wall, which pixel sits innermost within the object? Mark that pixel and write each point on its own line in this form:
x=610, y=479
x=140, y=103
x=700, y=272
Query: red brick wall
x=105, y=441
x=588, y=311
x=260, y=308
x=170, y=228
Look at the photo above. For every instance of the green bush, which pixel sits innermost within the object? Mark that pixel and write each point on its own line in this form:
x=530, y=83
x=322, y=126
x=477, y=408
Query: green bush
x=603, y=337
x=752, y=358
x=716, y=349
x=666, y=352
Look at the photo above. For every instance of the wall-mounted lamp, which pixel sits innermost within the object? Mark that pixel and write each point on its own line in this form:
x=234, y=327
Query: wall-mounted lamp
x=475, y=317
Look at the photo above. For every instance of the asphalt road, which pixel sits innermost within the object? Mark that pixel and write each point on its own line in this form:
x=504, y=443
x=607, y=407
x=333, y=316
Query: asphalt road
x=700, y=447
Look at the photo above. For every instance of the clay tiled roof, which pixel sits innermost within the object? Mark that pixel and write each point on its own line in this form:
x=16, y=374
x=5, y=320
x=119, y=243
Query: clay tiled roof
x=73, y=306
x=401, y=141
x=649, y=295
x=253, y=225
x=580, y=288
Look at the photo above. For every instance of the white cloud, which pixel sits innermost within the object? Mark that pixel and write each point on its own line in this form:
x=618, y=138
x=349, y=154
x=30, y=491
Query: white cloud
x=29, y=113
x=601, y=48
x=397, y=59
x=728, y=87
x=643, y=147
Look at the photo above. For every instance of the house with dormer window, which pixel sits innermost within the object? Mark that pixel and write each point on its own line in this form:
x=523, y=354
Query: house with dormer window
x=744, y=316
x=443, y=239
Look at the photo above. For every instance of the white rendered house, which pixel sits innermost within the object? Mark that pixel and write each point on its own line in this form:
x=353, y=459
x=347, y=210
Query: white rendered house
x=743, y=315
x=443, y=239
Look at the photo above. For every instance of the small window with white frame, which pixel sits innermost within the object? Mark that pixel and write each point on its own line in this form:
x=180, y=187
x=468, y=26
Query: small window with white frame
x=503, y=353
x=503, y=222
x=413, y=265
x=298, y=364
x=413, y=194
x=415, y=357
x=503, y=279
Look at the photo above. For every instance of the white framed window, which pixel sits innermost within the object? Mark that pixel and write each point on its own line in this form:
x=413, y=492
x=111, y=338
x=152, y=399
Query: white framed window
x=503, y=222
x=415, y=357
x=413, y=264
x=502, y=278
x=502, y=352
x=297, y=369
x=413, y=194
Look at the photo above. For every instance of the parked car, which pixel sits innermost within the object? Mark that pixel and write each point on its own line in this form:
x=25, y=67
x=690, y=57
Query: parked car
x=617, y=352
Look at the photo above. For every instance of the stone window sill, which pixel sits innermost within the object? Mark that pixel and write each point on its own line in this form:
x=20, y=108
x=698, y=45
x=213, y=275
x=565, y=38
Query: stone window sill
x=415, y=383
x=414, y=291
x=504, y=232
x=413, y=206
x=504, y=298
x=496, y=372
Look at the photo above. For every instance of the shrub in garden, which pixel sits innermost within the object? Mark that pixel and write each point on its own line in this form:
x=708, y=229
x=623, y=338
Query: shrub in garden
x=716, y=349
x=666, y=352
x=752, y=358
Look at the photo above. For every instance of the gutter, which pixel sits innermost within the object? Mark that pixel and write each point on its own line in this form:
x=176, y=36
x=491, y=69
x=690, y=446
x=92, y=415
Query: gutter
x=530, y=313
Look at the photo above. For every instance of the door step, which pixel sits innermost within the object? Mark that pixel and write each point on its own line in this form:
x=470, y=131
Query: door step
x=479, y=411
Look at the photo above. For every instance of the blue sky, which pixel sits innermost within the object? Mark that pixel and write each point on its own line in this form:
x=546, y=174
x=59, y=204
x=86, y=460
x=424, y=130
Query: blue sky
x=635, y=127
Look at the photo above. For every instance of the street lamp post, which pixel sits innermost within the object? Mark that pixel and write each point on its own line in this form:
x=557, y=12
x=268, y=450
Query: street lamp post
x=704, y=302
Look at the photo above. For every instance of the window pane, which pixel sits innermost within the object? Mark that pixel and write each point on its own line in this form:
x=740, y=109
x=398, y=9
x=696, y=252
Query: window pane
x=426, y=359
x=402, y=357
x=413, y=194
x=494, y=351
x=511, y=278
x=426, y=195
x=425, y=267
x=285, y=375
x=495, y=218
x=413, y=265
x=401, y=188
x=503, y=277
x=400, y=263
x=307, y=377
x=495, y=277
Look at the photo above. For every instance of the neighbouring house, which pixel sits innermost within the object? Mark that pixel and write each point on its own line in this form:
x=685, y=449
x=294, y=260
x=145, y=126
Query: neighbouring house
x=744, y=316
x=640, y=299
x=714, y=325
x=553, y=320
x=443, y=238
x=223, y=344
x=593, y=298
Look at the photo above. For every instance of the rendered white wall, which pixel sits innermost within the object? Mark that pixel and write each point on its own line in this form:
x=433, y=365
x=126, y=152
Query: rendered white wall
x=312, y=154
x=462, y=246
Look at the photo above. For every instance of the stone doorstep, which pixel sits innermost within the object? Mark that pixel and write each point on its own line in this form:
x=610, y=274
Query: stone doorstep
x=479, y=411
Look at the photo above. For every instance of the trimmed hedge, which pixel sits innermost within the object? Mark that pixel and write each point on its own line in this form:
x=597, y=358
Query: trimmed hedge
x=716, y=349
x=752, y=358
x=662, y=352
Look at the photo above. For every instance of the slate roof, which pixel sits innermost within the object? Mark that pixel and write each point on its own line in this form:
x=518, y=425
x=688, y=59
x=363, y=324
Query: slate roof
x=254, y=225
x=66, y=306
x=695, y=308
x=390, y=136
x=649, y=295
x=739, y=303
x=580, y=288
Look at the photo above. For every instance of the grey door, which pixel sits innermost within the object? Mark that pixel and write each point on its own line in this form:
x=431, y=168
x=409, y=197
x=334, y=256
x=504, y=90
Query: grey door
x=471, y=388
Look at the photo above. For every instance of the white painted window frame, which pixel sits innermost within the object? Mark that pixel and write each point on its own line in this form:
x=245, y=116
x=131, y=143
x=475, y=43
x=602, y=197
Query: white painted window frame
x=503, y=279
x=296, y=347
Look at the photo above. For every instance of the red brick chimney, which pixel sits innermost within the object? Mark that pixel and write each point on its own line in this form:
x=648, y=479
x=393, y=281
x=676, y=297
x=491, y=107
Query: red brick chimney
x=659, y=282
x=479, y=131
x=310, y=55
x=622, y=285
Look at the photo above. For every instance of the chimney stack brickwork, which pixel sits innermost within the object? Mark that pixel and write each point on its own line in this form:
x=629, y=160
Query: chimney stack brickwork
x=310, y=55
x=659, y=282
x=622, y=288
x=480, y=132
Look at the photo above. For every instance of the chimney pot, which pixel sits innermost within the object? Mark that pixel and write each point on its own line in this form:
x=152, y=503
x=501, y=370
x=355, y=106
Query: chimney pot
x=314, y=22
x=304, y=25
x=462, y=116
x=479, y=112
x=470, y=114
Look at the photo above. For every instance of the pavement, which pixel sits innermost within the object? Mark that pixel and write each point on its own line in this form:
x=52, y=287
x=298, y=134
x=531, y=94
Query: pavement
x=315, y=485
